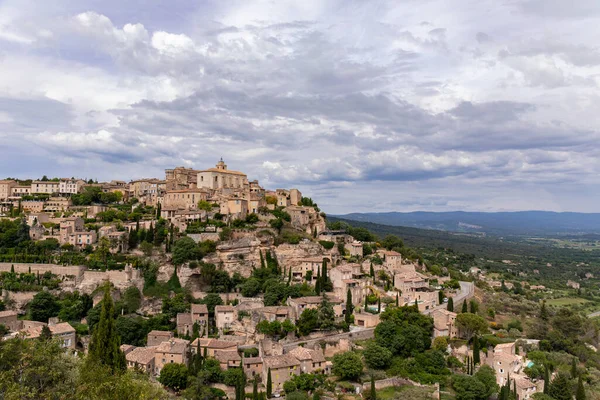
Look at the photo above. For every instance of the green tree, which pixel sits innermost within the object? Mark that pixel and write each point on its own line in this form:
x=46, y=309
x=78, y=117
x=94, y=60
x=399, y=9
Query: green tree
x=560, y=388
x=464, y=307
x=487, y=376
x=105, y=342
x=326, y=285
x=45, y=334
x=544, y=311
x=349, y=307
x=476, y=358
x=131, y=330
x=347, y=366
x=470, y=324
x=132, y=299
x=269, y=384
x=373, y=391
x=377, y=357
x=450, y=304
x=308, y=321
x=473, y=306
x=580, y=394
x=174, y=376
x=212, y=300
x=469, y=388
x=184, y=249
x=43, y=306
x=546, y=378
x=574, y=373
x=326, y=315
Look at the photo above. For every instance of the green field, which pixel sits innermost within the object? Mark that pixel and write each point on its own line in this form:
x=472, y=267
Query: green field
x=566, y=301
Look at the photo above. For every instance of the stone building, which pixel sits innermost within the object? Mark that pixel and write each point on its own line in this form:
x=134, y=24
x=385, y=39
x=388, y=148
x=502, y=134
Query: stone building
x=180, y=178
x=444, y=323
x=6, y=186
x=169, y=352
x=141, y=358
x=157, y=337
x=221, y=178
x=48, y=187
x=186, y=199
x=224, y=316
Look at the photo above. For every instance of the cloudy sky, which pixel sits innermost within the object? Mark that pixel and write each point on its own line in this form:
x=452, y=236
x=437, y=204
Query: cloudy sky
x=363, y=105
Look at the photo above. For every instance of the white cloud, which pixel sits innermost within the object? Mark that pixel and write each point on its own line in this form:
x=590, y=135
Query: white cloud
x=440, y=106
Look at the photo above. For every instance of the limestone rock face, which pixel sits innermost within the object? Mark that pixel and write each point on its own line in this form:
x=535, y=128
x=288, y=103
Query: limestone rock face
x=287, y=252
x=240, y=255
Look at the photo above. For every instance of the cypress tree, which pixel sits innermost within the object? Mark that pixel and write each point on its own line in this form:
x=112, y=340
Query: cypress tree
x=262, y=260
x=476, y=359
x=366, y=302
x=150, y=234
x=573, y=368
x=255, y=389
x=450, y=304
x=318, y=283
x=580, y=394
x=379, y=304
x=560, y=388
x=105, y=343
x=372, y=271
x=515, y=388
x=546, y=378
x=397, y=299
x=440, y=297
x=373, y=391
x=158, y=209
x=349, y=307
x=543, y=311
x=464, y=307
x=269, y=385
x=325, y=283
x=290, y=276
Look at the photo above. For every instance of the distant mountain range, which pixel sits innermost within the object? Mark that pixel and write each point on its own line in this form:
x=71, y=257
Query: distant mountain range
x=528, y=223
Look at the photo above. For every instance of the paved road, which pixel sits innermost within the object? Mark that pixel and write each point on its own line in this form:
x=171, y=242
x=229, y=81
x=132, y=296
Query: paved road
x=467, y=290
x=594, y=314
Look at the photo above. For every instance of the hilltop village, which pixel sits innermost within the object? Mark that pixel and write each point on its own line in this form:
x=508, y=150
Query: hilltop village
x=217, y=284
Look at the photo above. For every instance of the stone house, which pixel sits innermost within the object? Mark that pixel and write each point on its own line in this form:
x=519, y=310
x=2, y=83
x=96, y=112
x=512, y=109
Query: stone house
x=200, y=314
x=212, y=346
x=185, y=326
x=20, y=191
x=302, y=303
x=48, y=187
x=301, y=267
x=70, y=186
x=282, y=367
x=228, y=359
x=186, y=199
x=252, y=366
x=348, y=276
x=169, y=352
x=354, y=249
x=224, y=316
x=526, y=388
x=444, y=323
x=311, y=361
x=10, y=320
x=392, y=259
x=504, y=362
x=141, y=358
x=6, y=186
x=157, y=337
x=366, y=320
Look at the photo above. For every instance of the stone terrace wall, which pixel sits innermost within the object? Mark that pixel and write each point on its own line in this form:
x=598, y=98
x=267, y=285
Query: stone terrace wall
x=60, y=270
x=351, y=336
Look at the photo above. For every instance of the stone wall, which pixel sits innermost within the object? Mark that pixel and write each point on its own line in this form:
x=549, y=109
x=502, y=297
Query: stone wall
x=332, y=339
x=60, y=270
